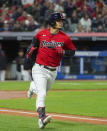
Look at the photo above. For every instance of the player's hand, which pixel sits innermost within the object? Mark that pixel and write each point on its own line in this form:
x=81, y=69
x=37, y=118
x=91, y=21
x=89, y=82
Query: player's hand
x=31, y=51
x=60, y=50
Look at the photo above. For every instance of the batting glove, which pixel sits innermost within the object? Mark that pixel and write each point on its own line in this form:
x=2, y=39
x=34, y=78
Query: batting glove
x=60, y=50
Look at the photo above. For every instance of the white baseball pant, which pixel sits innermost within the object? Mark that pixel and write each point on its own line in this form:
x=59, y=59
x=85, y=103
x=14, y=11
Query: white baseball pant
x=43, y=80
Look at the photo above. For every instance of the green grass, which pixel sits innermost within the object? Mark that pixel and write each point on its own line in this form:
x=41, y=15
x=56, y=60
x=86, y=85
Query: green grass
x=15, y=85
x=86, y=103
x=90, y=84
x=79, y=103
x=19, y=123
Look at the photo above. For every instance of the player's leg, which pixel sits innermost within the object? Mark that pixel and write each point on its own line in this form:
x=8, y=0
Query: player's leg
x=40, y=78
x=51, y=80
x=40, y=81
x=32, y=90
x=41, y=84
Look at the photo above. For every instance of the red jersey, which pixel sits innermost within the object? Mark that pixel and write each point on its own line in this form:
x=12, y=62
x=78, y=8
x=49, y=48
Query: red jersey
x=47, y=53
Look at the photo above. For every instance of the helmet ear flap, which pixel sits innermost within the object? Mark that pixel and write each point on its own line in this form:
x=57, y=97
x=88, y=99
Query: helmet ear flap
x=53, y=23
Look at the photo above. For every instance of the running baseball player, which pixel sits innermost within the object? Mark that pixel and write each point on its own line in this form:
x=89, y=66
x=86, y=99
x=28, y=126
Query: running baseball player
x=52, y=44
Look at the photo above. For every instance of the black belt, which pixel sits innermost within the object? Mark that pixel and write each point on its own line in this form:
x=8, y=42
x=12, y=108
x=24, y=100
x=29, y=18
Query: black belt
x=51, y=69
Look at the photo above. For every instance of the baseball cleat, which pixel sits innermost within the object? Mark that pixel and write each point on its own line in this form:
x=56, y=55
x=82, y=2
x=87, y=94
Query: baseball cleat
x=30, y=94
x=44, y=122
x=40, y=123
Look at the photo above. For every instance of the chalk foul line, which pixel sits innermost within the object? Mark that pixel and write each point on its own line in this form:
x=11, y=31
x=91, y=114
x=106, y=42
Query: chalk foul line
x=60, y=116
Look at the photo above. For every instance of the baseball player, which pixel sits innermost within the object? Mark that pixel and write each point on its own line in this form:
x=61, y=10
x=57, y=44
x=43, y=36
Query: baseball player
x=51, y=44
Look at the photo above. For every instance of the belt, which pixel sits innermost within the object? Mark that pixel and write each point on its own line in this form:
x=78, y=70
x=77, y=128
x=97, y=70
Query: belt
x=46, y=67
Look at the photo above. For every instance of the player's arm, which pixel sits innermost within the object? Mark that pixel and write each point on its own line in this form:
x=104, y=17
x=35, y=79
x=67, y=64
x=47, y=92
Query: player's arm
x=35, y=42
x=69, y=52
x=33, y=46
x=69, y=48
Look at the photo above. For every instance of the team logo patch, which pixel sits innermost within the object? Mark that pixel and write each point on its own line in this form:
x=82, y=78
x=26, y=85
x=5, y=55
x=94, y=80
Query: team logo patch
x=61, y=15
x=51, y=44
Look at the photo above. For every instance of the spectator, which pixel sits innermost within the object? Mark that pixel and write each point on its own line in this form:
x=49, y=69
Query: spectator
x=105, y=1
x=100, y=28
x=11, y=11
x=66, y=24
x=99, y=3
x=59, y=7
x=3, y=1
x=73, y=21
x=3, y=64
x=18, y=13
x=79, y=4
x=42, y=12
x=16, y=2
x=48, y=12
x=23, y=17
x=27, y=2
x=1, y=25
x=18, y=10
x=74, y=17
x=95, y=12
x=105, y=23
x=85, y=21
x=91, y=4
x=35, y=11
x=17, y=27
x=84, y=10
x=69, y=7
x=97, y=21
x=12, y=2
x=79, y=29
x=87, y=6
x=104, y=10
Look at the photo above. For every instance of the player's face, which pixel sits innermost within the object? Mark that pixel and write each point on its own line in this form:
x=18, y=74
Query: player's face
x=59, y=24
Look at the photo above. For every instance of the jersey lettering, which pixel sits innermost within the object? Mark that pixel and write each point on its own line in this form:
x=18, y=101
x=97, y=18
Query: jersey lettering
x=51, y=44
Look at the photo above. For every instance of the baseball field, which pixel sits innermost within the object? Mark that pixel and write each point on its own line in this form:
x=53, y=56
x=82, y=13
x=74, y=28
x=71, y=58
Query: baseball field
x=74, y=105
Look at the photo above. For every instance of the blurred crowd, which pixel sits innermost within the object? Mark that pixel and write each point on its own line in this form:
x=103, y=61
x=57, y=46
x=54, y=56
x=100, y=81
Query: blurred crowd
x=29, y=15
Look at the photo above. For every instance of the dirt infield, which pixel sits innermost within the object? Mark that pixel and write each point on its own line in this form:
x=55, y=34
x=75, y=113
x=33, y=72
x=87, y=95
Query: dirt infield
x=65, y=117
x=12, y=94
